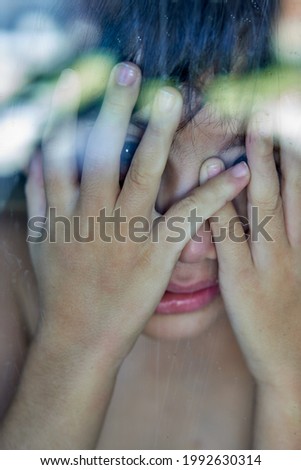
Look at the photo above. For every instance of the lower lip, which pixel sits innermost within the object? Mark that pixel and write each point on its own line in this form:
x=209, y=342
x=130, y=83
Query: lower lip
x=187, y=303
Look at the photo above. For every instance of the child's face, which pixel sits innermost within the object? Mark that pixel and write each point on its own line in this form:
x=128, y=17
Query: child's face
x=191, y=308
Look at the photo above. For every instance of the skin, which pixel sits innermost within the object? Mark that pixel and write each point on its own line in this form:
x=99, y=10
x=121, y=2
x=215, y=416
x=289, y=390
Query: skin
x=96, y=327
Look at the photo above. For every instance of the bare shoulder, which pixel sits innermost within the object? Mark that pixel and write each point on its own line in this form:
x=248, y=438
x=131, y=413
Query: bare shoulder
x=17, y=302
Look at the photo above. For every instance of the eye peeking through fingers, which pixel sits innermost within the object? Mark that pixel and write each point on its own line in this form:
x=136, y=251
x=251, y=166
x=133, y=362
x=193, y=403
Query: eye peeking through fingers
x=241, y=158
x=126, y=157
x=277, y=160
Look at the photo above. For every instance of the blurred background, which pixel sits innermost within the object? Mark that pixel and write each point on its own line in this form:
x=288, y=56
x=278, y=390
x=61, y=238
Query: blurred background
x=40, y=39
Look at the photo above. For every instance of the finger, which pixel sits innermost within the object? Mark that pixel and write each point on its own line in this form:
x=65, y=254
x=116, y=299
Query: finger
x=58, y=145
x=291, y=193
x=227, y=229
x=287, y=125
x=141, y=186
x=100, y=177
x=35, y=189
x=202, y=203
x=286, y=121
x=265, y=211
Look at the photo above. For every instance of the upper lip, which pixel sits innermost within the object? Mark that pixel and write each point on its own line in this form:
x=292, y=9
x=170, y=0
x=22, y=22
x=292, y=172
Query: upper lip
x=188, y=288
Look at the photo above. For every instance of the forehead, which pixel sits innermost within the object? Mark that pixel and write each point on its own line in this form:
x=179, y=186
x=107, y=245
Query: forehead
x=210, y=133
x=207, y=124
x=203, y=131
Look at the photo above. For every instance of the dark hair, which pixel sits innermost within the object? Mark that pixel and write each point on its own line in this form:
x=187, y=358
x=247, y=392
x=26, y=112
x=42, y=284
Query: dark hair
x=184, y=39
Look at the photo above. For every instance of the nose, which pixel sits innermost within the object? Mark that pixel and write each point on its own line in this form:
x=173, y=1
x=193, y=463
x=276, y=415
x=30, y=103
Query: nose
x=200, y=247
x=177, y=182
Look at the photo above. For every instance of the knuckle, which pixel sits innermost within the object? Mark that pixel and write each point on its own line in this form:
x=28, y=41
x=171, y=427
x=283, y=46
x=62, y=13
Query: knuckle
x=145, y=155
x=152, y=155
x=161, y=131
x=156, y=127
x=117, y=101
x=139, y=178
x=116, y=105
x=220, y=221
x=189, y=203
x=89, y=195
x=269, y=203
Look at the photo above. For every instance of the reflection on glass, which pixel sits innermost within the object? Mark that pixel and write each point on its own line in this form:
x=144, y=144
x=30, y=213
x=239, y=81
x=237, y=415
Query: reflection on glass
x=143, y=306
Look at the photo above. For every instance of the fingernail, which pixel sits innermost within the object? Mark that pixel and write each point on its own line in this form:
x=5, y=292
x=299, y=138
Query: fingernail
x=126, y=75
x=240, y=170
x=213, y=169
x=166, y=100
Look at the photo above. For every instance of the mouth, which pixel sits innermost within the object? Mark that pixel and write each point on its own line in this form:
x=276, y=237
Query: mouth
x=187, y=299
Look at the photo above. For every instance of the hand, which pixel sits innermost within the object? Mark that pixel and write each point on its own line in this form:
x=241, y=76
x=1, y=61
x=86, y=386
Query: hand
x=260, y=279
x=99, y=295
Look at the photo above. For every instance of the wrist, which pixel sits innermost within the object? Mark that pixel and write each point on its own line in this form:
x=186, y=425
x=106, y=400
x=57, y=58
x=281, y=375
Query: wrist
x=282, y=383
x=56, y=381
x=277, y=417
x=53, y=346
x=77, y=335
x=283, y=402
